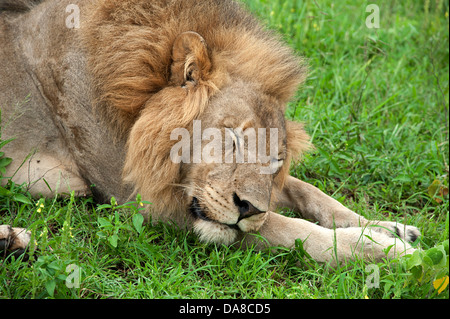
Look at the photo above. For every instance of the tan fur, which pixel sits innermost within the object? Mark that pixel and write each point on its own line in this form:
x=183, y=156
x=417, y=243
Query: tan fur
x=130, y=44
x=105, y=100
x=140, y=82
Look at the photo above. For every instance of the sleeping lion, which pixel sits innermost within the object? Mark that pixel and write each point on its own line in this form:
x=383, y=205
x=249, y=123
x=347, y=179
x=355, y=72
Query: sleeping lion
x=181, y=101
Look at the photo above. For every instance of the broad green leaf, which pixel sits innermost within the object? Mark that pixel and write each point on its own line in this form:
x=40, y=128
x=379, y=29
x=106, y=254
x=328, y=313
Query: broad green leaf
x=21, y=198
x=138, y=221
x=445, y=245
x=104, y=222
x=427, y=260
x=414, y=260
x=101, y=234
x=113, y=240
x=61, y=277
x=435, y=255
x=5, y=161
x=417, y=272
x=50, y=287
x=4, y=191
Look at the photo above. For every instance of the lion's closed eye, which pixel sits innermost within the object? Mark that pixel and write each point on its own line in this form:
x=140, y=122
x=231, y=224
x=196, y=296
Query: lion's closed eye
x=234, y=141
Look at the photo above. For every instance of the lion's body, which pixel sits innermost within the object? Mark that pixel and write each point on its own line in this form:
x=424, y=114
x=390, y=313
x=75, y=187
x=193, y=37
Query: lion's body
x=95, y=108
x=46, y=102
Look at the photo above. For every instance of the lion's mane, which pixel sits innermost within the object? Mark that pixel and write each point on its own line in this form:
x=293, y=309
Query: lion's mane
x=129, y=45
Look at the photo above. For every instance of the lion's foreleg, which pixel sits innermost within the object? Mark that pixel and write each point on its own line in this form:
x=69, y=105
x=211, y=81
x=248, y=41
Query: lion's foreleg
x=330, y=245
x=315, y=205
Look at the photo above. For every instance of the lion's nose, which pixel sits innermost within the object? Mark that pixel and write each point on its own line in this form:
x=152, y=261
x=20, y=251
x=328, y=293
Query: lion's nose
x=246, y=209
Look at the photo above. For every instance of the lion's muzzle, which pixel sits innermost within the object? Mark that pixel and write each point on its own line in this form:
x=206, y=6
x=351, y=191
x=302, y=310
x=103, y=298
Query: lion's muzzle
x=250, y=219
x=246, y=209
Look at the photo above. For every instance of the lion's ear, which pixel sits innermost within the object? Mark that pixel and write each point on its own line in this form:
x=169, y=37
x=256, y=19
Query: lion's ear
x=191, y=62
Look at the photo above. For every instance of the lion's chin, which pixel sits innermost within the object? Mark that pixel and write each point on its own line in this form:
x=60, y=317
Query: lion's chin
x=213, y=232
x=252, y=223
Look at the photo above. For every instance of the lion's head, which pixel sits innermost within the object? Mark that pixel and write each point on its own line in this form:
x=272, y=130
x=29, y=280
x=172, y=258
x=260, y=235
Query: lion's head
x=202, y=101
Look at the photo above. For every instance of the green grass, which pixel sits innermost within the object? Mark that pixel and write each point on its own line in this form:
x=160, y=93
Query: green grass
x=376, y=106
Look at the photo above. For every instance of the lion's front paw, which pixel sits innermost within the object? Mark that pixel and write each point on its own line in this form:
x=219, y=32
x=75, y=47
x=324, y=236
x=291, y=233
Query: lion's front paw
x=13, y=240
x=392, y=229
x=408, y=233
